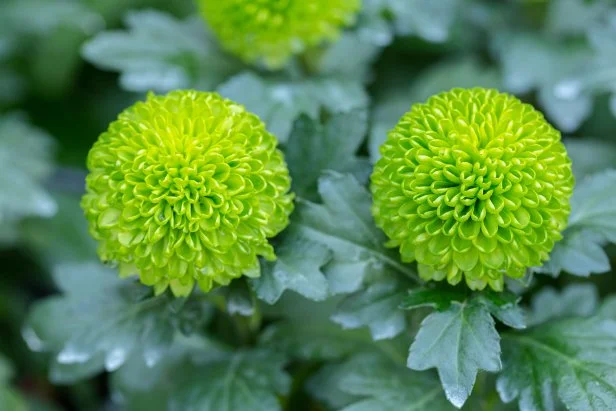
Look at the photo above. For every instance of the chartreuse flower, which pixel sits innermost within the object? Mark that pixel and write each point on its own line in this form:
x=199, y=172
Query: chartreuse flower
x=473, y=184
x=273, y=30
x=186, y=187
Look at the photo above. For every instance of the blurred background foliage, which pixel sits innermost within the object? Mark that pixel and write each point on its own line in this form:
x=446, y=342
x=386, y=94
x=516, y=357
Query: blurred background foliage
x=68, y=67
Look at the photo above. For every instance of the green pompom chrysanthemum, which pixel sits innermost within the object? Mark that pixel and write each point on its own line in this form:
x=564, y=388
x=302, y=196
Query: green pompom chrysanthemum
x=186, y=187
x=273, y=30
x=474, y=184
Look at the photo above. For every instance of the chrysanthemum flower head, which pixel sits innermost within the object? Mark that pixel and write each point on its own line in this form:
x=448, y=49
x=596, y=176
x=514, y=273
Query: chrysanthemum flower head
x=473, y=184
x=186, y=187
x=271, y=31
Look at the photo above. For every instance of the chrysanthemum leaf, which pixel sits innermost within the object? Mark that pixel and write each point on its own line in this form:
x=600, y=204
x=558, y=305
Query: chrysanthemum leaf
x=25, y=162
x=110, y=320
x=313, y=147
x=198, y=373
x=590, y=156
x=344, y=225
x=376, y=306
x=316, y=339
x=247, y=380
x=573, y=358
x=429, y=20
x=161, y=53
x=279, y=101
x=373, y=382
x=458, y=342
x=592, y=224
x=576, y=300
x=297, y=267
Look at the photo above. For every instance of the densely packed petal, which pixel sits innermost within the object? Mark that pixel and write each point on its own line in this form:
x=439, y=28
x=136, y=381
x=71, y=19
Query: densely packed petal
x=186, y=187
x=273, y=30
x=473, y=184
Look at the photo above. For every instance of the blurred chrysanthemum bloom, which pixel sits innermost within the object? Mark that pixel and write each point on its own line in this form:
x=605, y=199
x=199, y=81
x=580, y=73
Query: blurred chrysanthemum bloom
x=186, y=187
x=473, y=184
x=272, y=31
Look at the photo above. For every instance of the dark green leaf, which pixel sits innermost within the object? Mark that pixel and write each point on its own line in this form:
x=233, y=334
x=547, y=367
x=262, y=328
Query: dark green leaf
x=458, y=342
x=314, y=147
x=577, y=357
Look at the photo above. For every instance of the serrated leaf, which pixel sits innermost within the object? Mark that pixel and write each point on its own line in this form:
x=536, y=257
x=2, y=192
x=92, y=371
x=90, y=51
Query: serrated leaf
x=314, y=147
x=110, y=320
x=379, y=384
x=393, y=103
x=344, y=224
x=25, y=162
x=242, y=381
x=279, y=101
x=458, y=342
x=377, y=307
x=504, y=306
x=577, y=357
x=592, y=223
x=161, y=53
x=576, y=300
x=297, y=267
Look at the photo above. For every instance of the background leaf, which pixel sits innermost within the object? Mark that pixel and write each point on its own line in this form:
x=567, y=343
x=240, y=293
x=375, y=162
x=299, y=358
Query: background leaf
x=314, y=147
x=592, y=223
x=577, y=357
x=161, y=53
x=279, y=101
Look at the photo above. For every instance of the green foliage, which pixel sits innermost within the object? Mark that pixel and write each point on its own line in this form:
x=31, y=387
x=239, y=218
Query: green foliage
x=161, y=53
x=25, y=162
x=280, y=100
x=564, y=354
x=592, y=223
x=338, y=321
x=112, y=319
x=9, y=399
